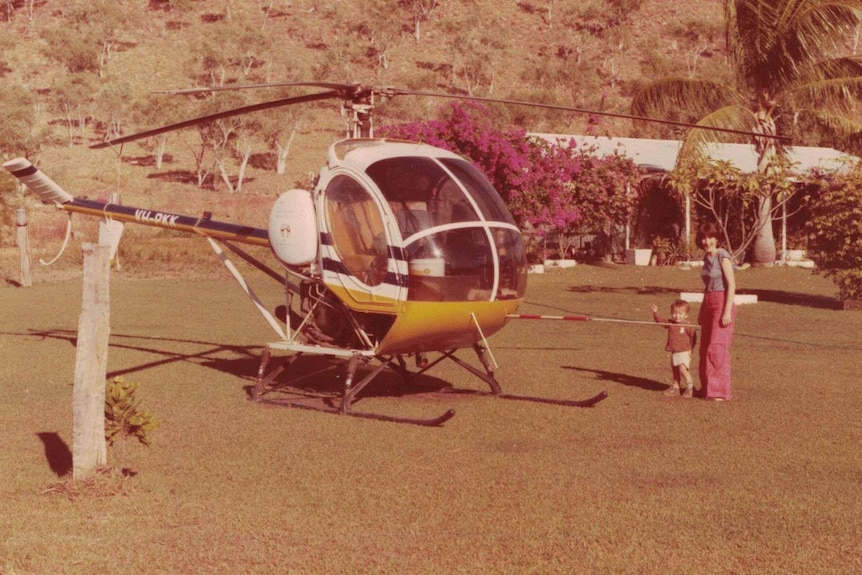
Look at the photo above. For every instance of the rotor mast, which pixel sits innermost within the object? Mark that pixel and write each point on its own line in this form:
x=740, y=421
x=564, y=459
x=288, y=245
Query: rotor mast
x=358, y=107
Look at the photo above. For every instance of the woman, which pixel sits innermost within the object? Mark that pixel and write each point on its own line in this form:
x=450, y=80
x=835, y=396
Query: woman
x=717, y=316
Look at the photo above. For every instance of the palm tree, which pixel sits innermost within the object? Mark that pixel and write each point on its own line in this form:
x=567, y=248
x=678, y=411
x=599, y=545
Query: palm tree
x=784, y=75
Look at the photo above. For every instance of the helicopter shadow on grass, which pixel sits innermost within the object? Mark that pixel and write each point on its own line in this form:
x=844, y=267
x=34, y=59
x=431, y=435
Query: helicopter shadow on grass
x=620, y=378
x=245, y=363
x=323, y=377
x=163, y=347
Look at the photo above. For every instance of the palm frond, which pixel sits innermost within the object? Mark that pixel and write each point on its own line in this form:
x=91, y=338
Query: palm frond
x=773, y=41
x=839, y=126
x=840, y=95
x=831, y=68
x=695, y=146
x=696, y=97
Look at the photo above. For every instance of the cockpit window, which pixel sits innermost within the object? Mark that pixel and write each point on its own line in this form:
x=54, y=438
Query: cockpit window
x=483, y=193
x=453, y=253
x=421, y=194
x=356, y=228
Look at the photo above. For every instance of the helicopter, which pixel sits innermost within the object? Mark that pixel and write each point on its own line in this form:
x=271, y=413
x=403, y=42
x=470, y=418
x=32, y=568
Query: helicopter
x=400, y=251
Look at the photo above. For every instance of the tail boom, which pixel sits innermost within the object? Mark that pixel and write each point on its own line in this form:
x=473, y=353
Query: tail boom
x=51, y=193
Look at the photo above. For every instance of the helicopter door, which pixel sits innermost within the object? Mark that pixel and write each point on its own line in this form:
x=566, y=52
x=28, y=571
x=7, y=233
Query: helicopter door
x=356, y=262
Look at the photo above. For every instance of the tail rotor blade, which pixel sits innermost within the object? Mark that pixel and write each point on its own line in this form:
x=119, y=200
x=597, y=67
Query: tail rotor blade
x=37, y=182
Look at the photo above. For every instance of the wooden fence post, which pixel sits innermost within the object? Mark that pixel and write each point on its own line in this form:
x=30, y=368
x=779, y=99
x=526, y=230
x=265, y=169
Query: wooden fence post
x=23, y=246
x=89, y=449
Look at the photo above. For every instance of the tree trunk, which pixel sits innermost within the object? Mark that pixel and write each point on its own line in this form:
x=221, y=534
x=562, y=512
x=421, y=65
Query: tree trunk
x=161, y=142
x=763, y=247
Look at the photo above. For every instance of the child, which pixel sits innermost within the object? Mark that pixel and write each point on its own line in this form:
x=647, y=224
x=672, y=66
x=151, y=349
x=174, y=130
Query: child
x=680, y=342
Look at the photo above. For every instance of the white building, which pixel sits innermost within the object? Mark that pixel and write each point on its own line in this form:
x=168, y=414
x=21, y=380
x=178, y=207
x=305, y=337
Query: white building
x=661, y=155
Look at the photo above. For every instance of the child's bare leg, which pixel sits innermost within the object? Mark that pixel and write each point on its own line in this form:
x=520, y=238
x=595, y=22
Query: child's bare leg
x=686, y=377
x=674, y=388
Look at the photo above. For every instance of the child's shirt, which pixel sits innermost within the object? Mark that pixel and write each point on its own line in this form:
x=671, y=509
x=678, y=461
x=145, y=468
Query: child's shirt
x=679, y=337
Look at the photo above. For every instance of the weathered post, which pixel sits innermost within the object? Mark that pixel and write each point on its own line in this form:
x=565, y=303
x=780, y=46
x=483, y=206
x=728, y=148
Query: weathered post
x=89, y=448
x=23, y=246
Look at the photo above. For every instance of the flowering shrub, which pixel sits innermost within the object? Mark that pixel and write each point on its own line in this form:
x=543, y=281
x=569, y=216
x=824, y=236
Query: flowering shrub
x=546, y=186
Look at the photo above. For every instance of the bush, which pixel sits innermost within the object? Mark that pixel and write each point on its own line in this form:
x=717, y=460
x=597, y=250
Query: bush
x=835, y=230
x=124, y=416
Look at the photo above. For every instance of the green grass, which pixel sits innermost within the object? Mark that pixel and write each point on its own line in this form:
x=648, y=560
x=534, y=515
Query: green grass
x=768, y=483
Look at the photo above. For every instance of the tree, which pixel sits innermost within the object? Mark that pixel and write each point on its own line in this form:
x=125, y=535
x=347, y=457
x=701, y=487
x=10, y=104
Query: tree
x=225, y=53
x=72, y=96
x=378, y=25
x=781, y=52
x=278, y=131
x=153, y=110
x=730, y=197
x=475, y=51
x=20, y=133
x=89, y=35
x=420, y=11
x=835, y=230
x=114, y=107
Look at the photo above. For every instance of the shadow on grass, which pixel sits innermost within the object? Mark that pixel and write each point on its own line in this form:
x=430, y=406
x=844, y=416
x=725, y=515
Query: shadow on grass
x=165, y=347
x=177, y=176
x=322, y=375
x=147, y=161
x=644, y=290
x=57, y=453
x=325, y=376
x=791, y=298
x=621, y=378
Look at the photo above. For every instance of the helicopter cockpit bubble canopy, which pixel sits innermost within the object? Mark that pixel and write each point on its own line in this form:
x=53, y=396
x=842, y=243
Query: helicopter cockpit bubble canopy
x=438, y=227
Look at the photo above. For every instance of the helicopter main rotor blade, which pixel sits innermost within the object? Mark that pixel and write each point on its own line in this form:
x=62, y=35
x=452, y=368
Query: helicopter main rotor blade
x=585, y=111
x=206, y=90
x=219, y=116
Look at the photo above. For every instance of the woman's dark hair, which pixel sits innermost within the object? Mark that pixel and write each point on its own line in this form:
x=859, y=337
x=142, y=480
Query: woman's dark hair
x=707, y=230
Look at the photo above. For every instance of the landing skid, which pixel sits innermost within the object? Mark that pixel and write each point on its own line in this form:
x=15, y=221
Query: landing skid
x=590, y=402
x=265, y=384
x=343, y=403
x=496, y=390
x=424, y=422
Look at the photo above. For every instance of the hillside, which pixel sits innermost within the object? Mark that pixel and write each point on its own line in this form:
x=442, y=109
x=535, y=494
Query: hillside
x=112, y=56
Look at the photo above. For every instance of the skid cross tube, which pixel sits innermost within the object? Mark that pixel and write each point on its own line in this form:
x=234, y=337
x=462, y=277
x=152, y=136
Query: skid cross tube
x=350, y=392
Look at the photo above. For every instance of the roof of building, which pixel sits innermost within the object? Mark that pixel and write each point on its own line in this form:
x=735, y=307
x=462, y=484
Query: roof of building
x=661, y=155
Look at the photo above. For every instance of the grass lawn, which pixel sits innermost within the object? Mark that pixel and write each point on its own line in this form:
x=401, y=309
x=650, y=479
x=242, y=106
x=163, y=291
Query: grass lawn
x=641, y=483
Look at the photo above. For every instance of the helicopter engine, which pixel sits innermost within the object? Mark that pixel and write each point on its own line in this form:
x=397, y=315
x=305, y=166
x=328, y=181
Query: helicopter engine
x=293, y=228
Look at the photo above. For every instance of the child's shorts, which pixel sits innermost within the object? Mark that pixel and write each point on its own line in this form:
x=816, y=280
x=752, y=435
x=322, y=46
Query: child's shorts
x=681, y=358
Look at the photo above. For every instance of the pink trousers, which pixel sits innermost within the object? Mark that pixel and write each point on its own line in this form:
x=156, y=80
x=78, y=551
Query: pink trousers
x=715, y=342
